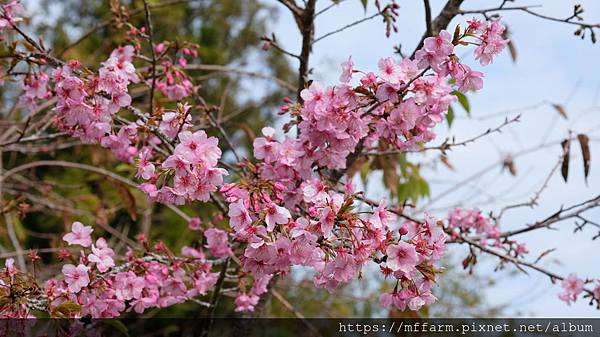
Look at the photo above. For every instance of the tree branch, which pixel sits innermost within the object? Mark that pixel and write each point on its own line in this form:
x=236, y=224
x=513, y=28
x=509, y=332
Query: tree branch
x=441, y=22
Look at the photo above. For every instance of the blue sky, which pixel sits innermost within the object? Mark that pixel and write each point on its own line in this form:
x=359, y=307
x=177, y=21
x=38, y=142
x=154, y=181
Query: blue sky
x=553, y=66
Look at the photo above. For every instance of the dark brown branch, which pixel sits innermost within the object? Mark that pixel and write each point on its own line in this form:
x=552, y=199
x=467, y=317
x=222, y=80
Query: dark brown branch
x=518, y=262
x=293, y=7
x=428, y=23
x=307, y=28
x=215, y=298
x=573, y=211
x=527, y=9
x=441, y=22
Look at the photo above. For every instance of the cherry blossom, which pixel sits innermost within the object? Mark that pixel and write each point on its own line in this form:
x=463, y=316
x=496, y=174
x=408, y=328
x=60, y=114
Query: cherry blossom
x=76, y=277
x=402, y=257
x=79, y=235
x=217, y=243
x=102, y=255
x=9, y=14
x=276, y=215
x=572, y=287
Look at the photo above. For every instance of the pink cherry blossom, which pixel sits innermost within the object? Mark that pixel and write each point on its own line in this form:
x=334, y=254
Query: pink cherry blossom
x=217, y=243
x=76, y=277
x=347, y=70
x=492, y=42
x=381, y=216
x=194, y=223
x=10, y=14
x=102, y=255
x=572, y=287
x=276, y=215
x=389, y=71
x=402, y=256
x=145, y=168
x=245, y=302
x=79, y=235
x=266, y=149
x=440, y=45
x=239, y=217
x=469, y=80
x=198, y=148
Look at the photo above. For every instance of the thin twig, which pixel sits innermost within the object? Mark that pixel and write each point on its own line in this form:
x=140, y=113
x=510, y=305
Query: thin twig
x=348, y=26
x=534, y=200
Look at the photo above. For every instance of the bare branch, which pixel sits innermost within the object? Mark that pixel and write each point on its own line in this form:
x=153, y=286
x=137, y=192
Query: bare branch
x=428, y=22
x=348, y=26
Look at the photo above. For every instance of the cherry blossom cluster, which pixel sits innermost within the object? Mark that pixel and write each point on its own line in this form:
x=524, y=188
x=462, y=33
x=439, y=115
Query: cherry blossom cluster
x=192, y=168
x=281, y=219
x=463, y=222
x=35, y=87
x=467, y=221
x=174, y=83
x=94, y=285
x=491, y=36
x=399, y=105
x=10, y=15
x=411, y=263
x=86, y=106
x=573, y=286
x=283, y=214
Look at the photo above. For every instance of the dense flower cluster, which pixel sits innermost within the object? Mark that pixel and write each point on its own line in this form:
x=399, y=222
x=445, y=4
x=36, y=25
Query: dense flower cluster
x=94, y=285
x=176, y=85
x=491, y=39
x=284, y=214
x=400, y=105
x=193, y=167
x=86, y=106
x=283, y=219
x=470, y=221
x=465, y=221
x=411, y=263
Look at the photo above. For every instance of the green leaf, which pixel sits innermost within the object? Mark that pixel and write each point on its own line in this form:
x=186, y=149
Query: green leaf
x=450, y=117
x=424, y=187
x=464, y=102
